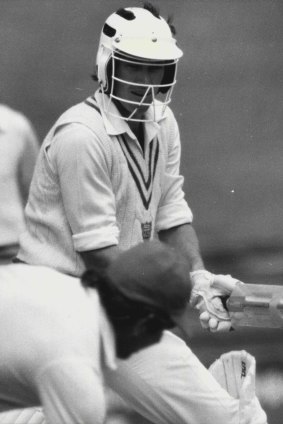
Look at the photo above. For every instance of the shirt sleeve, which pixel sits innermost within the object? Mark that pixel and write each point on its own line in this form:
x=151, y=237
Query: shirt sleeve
x=173, y=209
x=71, y=392
x=81, y=161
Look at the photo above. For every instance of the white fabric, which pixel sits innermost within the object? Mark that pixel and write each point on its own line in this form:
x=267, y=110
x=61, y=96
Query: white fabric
x=84, y=197
x=53, y=336
x=102, y=205
x=224, y=394
x=18, y=150
x=235, y=372
x=23, y=416
x=167, y=384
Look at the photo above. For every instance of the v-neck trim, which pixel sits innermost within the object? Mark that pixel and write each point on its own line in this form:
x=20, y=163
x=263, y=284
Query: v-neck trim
x=142, y=169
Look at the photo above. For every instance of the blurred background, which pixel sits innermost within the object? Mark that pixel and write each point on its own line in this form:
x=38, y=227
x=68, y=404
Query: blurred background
x=229, y=104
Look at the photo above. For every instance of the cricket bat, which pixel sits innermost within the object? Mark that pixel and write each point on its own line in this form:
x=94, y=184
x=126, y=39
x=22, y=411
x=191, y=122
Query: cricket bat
x=256, y=305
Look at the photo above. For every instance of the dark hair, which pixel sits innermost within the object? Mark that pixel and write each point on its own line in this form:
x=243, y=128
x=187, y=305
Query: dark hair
x=116, y=303
x=155, y=11
x=126, y=314
x=152, y=9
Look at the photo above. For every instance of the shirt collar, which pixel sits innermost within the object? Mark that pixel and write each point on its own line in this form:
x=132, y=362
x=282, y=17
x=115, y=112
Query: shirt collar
x=115, y=125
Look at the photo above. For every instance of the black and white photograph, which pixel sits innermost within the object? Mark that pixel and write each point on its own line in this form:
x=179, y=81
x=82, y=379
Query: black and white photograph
x=141, y=212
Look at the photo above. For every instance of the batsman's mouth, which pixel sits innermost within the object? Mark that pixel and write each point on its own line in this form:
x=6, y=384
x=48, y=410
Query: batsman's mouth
x=140, y=96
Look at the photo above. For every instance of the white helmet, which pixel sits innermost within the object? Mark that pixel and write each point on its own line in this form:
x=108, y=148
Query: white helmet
x=137, y=35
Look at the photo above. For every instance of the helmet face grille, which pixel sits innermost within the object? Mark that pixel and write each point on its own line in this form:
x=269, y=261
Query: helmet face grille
x=155, y=96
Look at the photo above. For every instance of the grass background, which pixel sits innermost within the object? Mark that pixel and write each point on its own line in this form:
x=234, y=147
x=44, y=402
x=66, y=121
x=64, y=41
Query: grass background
x=228, y=102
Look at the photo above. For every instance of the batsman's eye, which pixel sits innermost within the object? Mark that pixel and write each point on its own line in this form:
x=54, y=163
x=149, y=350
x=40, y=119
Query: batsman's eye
x=154, y=69
x=133, y=67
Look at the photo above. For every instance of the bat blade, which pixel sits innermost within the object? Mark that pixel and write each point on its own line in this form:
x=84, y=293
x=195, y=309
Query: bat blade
x=256, y=305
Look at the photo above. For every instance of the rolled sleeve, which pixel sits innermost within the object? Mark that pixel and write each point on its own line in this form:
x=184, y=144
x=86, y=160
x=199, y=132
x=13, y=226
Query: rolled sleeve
x=81, y=162
x=103, y=237
x=172, y=215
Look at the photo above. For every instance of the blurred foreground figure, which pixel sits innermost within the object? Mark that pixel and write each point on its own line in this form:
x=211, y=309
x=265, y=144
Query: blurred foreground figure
x=60, y=343
x=18, y=151
x=60, y=334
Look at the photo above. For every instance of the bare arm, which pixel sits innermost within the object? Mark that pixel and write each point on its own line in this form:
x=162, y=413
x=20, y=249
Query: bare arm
x=185, y=240
x=214, y=286
x=100, y=257
x=182, y=237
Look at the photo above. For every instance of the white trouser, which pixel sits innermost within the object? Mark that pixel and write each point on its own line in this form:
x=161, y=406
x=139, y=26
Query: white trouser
x=167, y=384
x=23, y=416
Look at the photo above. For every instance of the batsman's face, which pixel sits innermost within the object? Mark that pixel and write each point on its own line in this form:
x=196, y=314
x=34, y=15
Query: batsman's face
x=138, y=81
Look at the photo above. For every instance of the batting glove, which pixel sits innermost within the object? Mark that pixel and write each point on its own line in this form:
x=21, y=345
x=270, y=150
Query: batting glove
x=207, y=296
x=235, y=372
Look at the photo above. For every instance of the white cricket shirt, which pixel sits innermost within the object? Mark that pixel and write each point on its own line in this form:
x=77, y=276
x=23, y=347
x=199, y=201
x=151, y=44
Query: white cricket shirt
x=94, y=187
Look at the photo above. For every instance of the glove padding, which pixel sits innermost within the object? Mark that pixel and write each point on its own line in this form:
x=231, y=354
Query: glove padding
x=235, y=372
x=207, y=291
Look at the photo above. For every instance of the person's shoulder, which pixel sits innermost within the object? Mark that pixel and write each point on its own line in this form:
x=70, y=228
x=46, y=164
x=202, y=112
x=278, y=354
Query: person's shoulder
x=85, y=113
x=14, y=119
x=9, y=113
